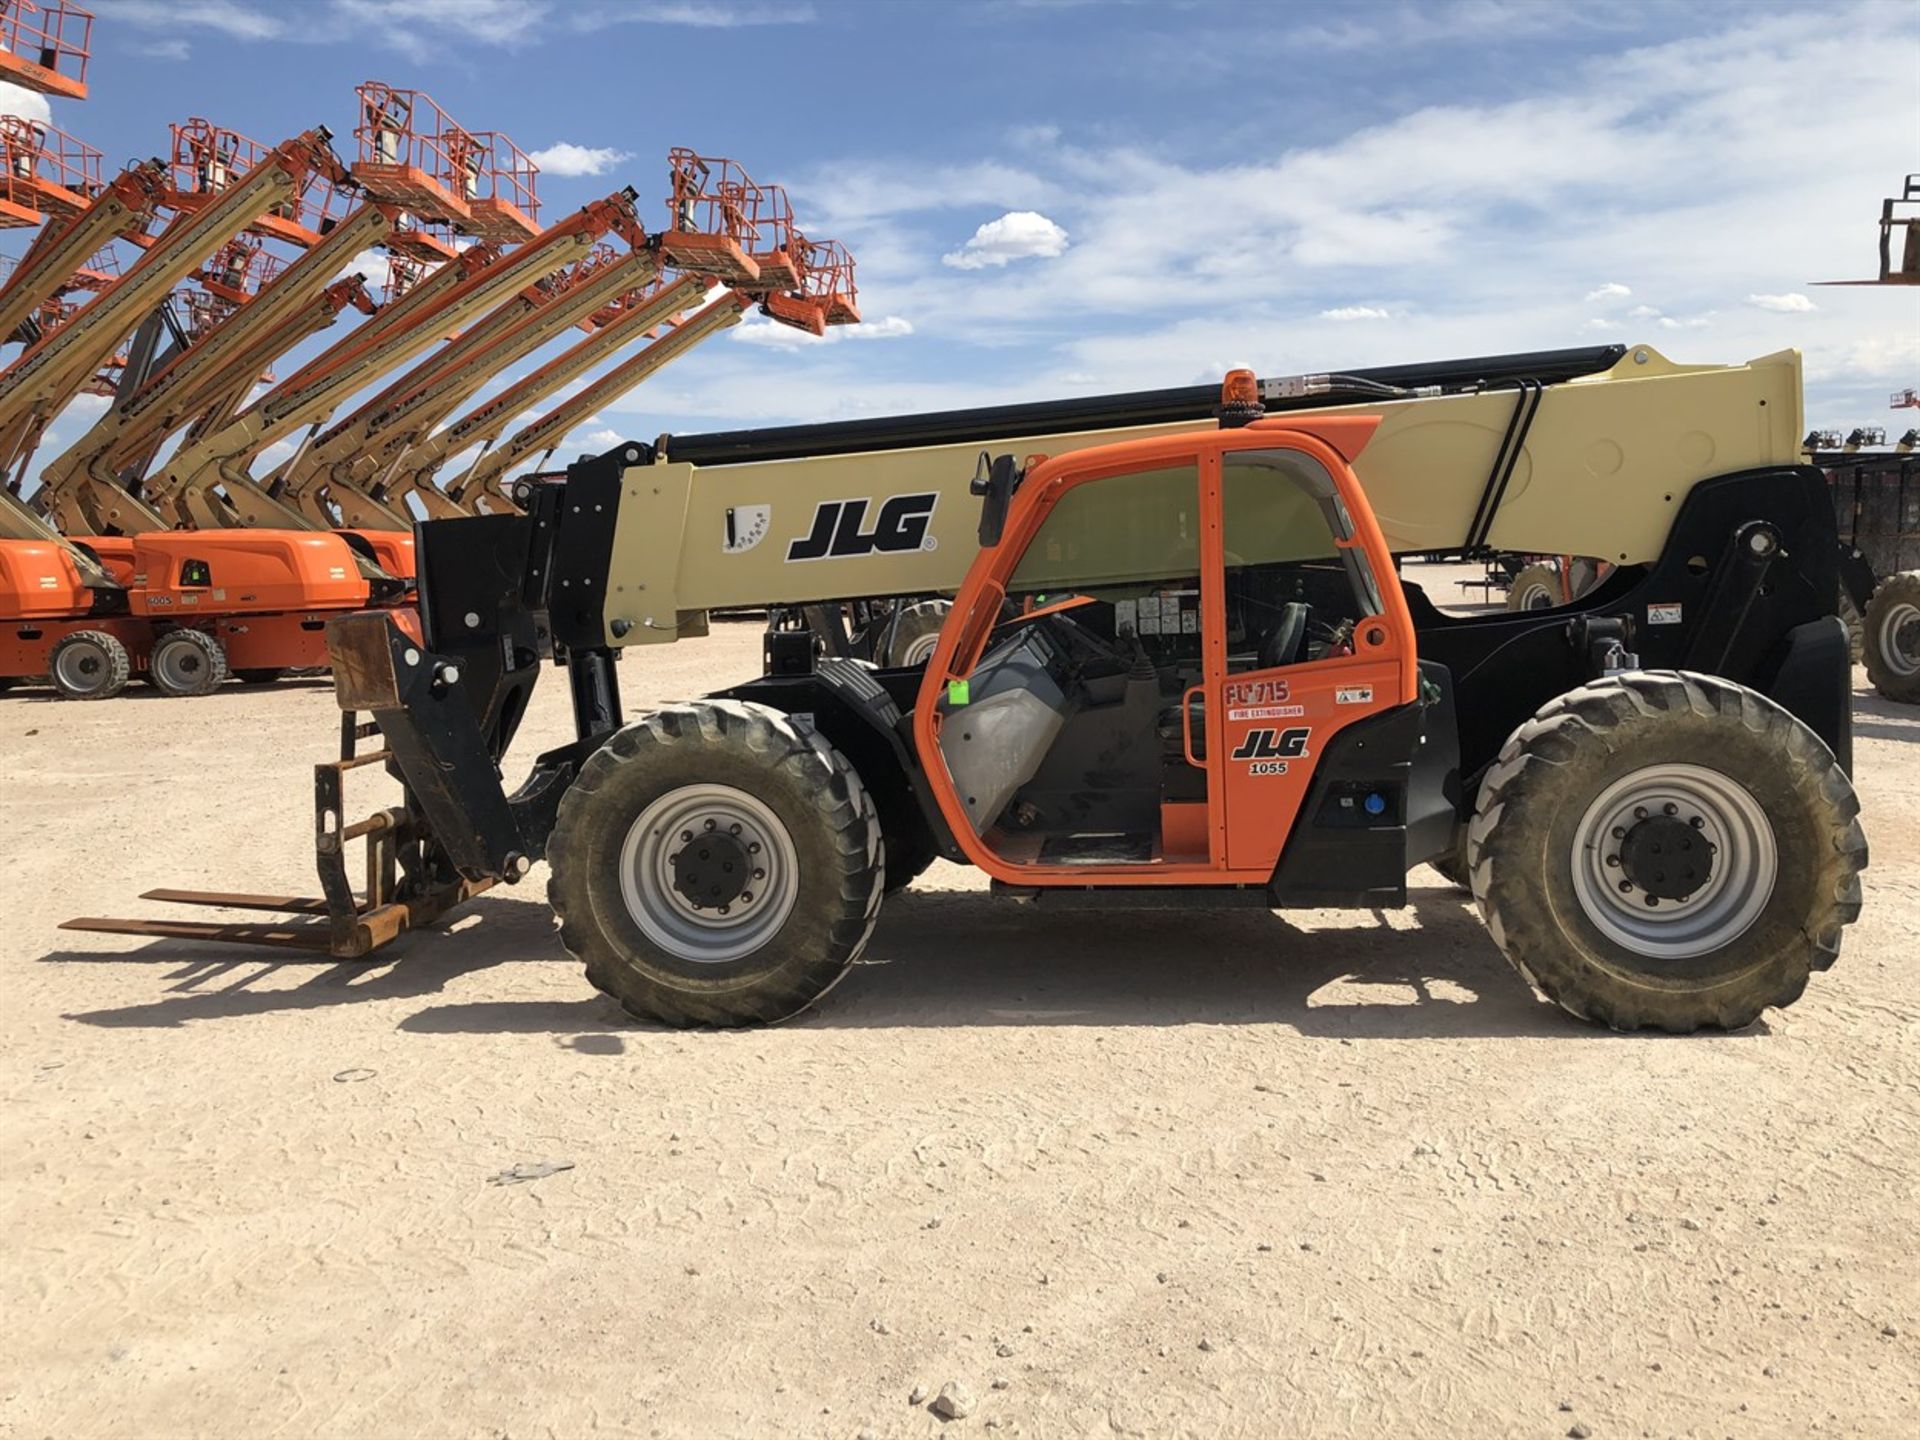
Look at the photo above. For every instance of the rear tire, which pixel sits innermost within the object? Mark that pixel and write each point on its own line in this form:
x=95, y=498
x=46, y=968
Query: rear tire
x=1573, y=836
x=639, y=893
x=912, y=634
x=186, y=663
x=89, y=665
x=1891, y=644
x=259, y=677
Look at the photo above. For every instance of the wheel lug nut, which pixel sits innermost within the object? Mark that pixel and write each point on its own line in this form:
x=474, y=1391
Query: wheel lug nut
x=712, y=824
x=753, y=848
x=734, y=830
x=1670, y=808
x=1625, y=886
x=1613, y=862
x=1639, y=812
x=746, y=896
x=1619, y=832
x=1652, y=901
x=1697, y=823
x=686, y=835
x=723, y=909
x=759, y=874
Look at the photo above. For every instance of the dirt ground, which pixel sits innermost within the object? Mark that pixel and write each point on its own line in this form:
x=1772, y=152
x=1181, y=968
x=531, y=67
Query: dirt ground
x=1202, y=1174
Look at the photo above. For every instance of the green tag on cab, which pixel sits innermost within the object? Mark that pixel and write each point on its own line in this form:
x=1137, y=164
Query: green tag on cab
x=957, y=692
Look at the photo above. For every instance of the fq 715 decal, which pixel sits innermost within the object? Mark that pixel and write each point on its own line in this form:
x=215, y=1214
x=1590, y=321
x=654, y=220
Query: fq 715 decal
x=1267, y=751
x=900, y=526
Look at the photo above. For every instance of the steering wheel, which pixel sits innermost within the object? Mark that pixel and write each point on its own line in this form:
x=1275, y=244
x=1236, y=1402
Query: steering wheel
x=1289, y=637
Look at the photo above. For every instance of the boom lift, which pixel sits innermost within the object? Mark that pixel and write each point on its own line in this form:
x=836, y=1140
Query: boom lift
x=483, y=482
x=1180, y=669
x=414, y=468
x=38, y=385
x=60, y=257
x=207, y=484
x=331, y=478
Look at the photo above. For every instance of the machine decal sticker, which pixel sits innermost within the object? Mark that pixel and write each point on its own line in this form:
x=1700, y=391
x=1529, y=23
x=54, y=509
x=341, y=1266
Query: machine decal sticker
x=900, y=526
x=1257, y=692
x=1267, y=751
x=1268, y=712
x=747, y=526
x=1353, y=695
x=1663, y=614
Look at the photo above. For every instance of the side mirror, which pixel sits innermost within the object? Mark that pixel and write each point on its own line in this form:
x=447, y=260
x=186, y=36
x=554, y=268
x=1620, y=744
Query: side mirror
x=994, y=480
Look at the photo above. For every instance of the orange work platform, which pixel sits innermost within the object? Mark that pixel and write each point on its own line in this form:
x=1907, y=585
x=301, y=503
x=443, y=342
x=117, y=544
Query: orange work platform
x=712, y=230
x=412, y=154
x=44, y=46
x=207, y=158
x=46, y=173
x=506, y=202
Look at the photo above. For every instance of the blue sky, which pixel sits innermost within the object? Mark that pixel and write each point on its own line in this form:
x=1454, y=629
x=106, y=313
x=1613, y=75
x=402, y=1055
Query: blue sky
x=1048, y=198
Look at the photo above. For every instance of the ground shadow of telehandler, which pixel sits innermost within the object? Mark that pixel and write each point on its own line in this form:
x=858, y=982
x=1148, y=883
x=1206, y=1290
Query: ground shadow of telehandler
x=1877, y=718
x=943, y=959
x=220, y=982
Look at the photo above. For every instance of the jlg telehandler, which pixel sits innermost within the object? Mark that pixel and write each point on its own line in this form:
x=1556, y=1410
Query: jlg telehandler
x=1180, y=670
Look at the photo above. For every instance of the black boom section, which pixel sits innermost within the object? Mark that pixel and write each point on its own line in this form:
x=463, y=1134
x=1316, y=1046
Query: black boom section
x=1106, y=412
x=1744, y=589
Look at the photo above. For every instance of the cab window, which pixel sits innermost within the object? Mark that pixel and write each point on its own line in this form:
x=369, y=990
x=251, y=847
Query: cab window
x=1296, y=580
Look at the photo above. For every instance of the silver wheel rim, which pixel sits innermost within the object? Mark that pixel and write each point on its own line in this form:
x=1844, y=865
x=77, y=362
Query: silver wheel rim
x=83, y=668
x=1537, y=597
x=920, y=651
x=1745, y=862
x=182, y=665
x=1900, y=639
x=668, y=918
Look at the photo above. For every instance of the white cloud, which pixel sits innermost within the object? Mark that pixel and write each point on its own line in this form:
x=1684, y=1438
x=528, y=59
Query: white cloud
x=1355, y=312
x=771, y=335
x=1642, y=312
x=566, y=158
x=165, y=50
x=597, y=440
x=1601, y=326
x=1691, y=322
x=1788, y=304
x=373, y=266
x=225, y=17
x=1612, y=290
x=27, y=104
x=1016, y=235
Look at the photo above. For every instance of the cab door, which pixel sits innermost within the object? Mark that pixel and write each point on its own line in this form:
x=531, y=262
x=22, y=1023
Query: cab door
x=1307, y=646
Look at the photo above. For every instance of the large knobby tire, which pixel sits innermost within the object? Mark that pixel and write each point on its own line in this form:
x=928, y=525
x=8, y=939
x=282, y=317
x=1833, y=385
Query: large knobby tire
x=1891, y=640
x=1697, y=794
x=1855, y=622
x=89, y=665
x=185, y=663
x=1535, y=588
x=703, y=802
x=910, y=636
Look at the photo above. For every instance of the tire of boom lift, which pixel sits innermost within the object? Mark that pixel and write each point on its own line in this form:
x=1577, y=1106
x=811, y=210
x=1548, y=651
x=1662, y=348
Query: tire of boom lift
x=776, y=762
x=89, y=665
x=186, y=662
x=1855, y=622
x=913, y=634
x=265, y=676
x=1558, y=769
x=1535, y=588
x=1891, y=637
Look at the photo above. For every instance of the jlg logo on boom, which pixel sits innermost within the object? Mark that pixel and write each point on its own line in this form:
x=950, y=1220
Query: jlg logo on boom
x=900, y=526
x=1267, y=751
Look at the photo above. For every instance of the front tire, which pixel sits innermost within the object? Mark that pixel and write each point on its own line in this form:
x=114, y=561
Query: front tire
x=717, y=863
x=1891, y=640
x=89, y=665
x=1663, y=850
x=1535, y=588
